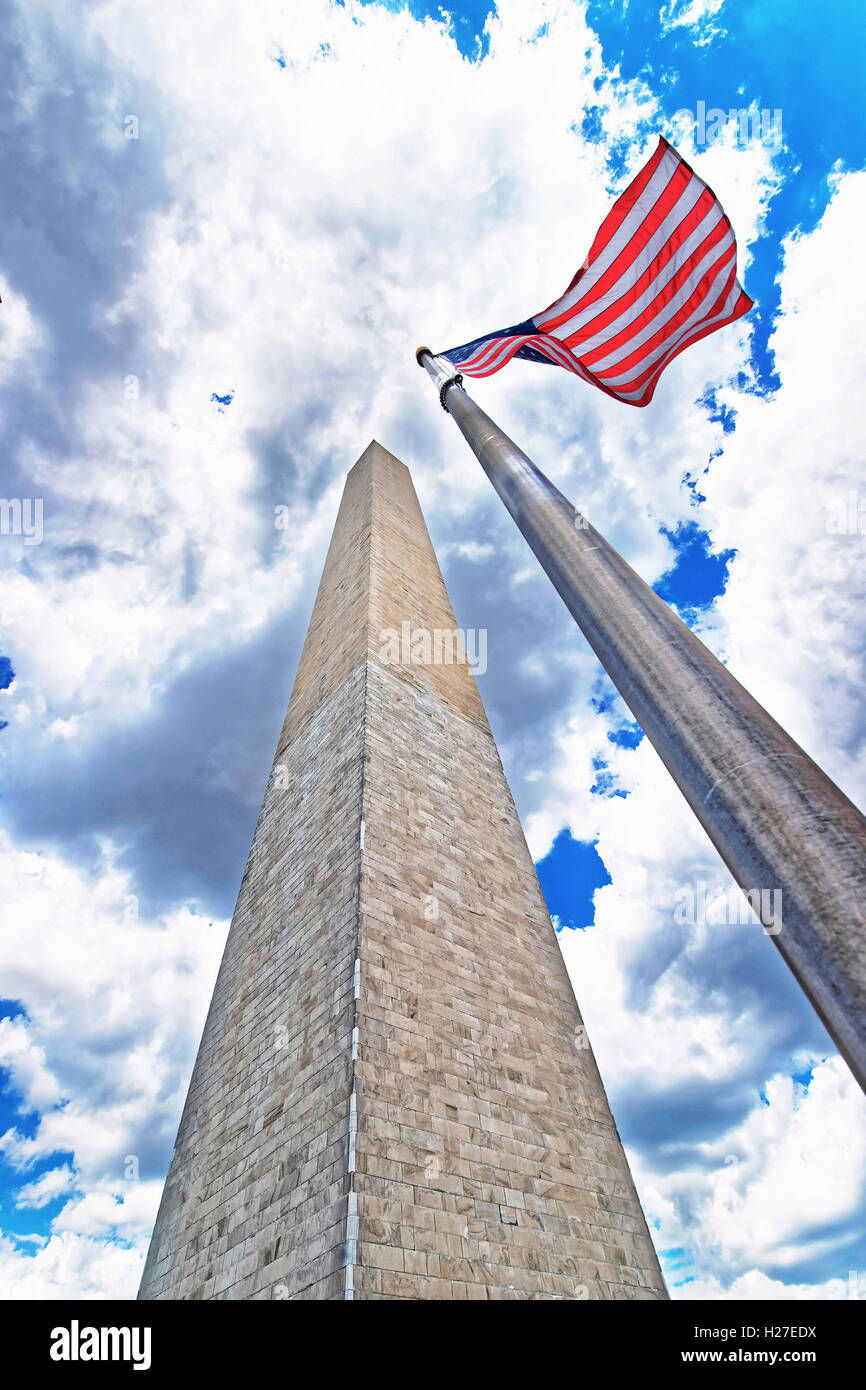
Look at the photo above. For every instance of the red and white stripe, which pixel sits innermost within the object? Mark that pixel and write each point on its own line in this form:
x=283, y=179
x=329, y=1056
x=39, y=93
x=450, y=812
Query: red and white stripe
x=661, y=274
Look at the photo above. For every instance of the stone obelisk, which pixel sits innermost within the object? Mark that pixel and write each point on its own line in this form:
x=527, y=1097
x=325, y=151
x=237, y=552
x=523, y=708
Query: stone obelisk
x=394, y=1096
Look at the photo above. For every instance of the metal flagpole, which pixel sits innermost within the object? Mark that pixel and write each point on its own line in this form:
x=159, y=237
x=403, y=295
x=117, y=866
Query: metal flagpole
x=779, y=823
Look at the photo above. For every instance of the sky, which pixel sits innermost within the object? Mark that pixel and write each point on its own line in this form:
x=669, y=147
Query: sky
x=225, y=231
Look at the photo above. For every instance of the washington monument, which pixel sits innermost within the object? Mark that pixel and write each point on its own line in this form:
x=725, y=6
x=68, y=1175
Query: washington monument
x=394, y=1096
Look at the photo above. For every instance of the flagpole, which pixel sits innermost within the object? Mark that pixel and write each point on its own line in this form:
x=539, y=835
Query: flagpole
x=779, y=823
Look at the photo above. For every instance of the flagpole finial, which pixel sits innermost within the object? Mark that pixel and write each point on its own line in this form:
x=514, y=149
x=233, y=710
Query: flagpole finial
x=442, y=377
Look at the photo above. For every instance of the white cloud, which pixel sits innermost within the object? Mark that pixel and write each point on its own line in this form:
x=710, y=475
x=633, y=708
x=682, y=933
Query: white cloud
x=792, y=614
x=467, y=550
x=25, y=1062
x=801, y=1141
x=755, y=1286
x=46, y=1188
x=20, y=334
x=777, y=1190
x=697, y=15
x=115, y=1007
x=69, y=1266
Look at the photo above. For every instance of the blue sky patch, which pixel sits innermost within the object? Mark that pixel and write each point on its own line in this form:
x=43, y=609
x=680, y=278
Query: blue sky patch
x=569, y=876
x=16, y=1221
x=605, y=781
x=591, y=127
x=723, y=415
x=627, y=737
x=11, y=1114
x=698, y=575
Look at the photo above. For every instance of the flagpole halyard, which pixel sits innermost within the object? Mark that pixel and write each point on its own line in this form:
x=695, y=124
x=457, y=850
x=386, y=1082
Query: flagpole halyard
x=779, y=823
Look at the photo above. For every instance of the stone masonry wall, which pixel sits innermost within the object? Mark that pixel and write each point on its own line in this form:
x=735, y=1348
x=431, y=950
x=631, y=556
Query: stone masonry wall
x=394, y=1095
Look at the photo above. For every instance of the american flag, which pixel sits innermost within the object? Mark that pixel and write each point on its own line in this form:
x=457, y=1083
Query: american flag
x=662, y=273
